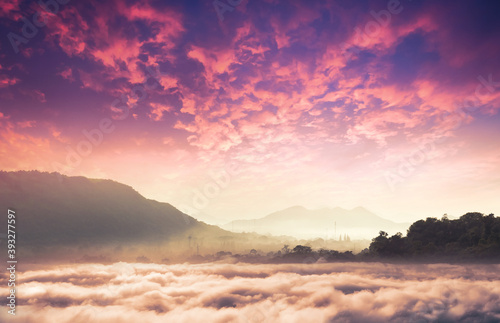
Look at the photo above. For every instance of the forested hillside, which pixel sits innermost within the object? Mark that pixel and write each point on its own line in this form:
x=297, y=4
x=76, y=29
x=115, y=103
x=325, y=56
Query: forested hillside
x=474, y=235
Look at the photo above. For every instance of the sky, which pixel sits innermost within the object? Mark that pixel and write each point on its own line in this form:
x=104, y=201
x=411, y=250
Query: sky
x=235, y=109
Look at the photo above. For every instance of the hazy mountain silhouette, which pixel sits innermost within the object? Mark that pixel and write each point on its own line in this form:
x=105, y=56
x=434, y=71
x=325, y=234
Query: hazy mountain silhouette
x=303, y=223
x=75, y=217
x=53, y=209
x=81, y=219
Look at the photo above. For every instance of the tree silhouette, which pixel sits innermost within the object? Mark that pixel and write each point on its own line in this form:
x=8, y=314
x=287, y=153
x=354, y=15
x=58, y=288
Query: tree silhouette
x=302, y=250
x=473, y=235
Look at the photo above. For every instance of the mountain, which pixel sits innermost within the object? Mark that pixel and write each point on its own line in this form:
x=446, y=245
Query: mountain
x=302, y=223
x=69, y=218
x=56, y=212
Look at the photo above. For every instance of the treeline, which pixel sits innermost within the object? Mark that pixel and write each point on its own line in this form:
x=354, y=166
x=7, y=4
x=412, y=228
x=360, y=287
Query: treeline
x=298, y=254
x=472, y=236
x=306, y=254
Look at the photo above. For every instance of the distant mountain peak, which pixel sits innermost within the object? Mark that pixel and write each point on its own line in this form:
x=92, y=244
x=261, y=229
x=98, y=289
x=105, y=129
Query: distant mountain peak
x=360, y=209
x=309, y=223
x=296, y=207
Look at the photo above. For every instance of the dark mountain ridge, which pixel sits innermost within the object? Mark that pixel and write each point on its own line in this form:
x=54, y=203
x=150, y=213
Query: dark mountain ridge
x=54, y=210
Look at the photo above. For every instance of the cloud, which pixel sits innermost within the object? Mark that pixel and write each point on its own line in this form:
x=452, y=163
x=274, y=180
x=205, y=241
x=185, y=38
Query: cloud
x=369, y=292
x=158, y=110
x=117, y=42
x=271, y=86
x=293, y=69
x=6, y=81
x=9, y=8
x=67, y=74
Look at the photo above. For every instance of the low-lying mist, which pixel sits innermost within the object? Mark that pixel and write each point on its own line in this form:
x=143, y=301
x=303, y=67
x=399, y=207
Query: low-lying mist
x=221, y=292
x=194, y=246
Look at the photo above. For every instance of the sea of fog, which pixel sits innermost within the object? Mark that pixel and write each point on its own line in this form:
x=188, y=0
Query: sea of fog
x=223, y=292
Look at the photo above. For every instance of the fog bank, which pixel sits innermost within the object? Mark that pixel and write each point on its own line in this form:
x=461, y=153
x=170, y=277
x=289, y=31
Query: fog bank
x=370, y=292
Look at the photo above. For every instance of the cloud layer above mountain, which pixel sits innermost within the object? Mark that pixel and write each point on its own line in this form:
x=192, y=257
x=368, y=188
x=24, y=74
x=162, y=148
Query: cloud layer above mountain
x=338, y=97
x=366, y=292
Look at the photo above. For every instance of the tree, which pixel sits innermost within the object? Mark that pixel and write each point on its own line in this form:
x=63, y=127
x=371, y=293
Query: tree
x=473, y=235
x=379, y=244
x=302, y=250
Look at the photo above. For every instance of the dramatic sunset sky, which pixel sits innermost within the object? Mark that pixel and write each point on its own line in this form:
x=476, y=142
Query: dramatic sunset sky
x=389, y=105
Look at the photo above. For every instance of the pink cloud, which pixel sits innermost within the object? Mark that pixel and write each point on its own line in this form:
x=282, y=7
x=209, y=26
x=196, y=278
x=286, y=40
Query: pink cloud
x=258, y=293
x=158, y=110
x=10, y=9
x=67, y=74
x=90, y=81
x=118, y=52
x=6, y=81
x=69, y=31
x=19, y=149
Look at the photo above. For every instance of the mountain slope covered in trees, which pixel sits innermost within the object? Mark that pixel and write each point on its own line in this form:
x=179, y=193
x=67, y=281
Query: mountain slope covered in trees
x=56, y=212
x=473, y=235
x=56, y=209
